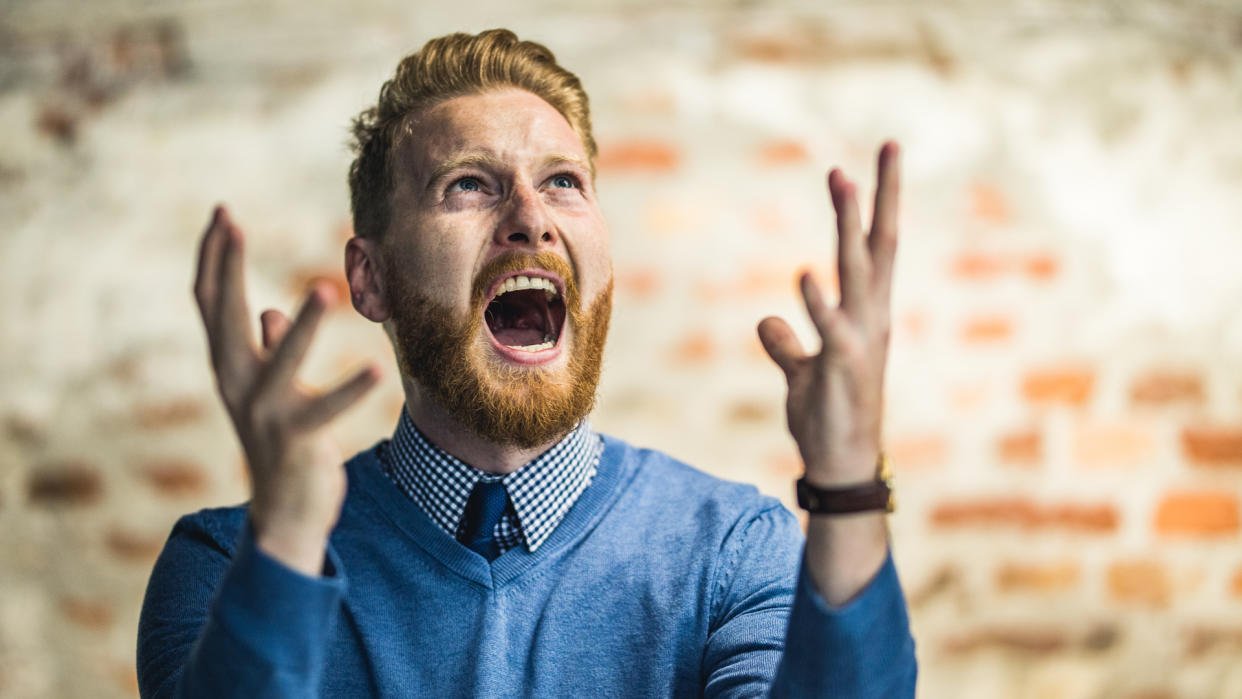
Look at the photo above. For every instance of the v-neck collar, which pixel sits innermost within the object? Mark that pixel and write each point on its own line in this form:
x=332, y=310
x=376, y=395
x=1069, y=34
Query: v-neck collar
x=616, y=467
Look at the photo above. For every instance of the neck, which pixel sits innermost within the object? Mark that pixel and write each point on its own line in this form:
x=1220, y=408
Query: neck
x=454, y=438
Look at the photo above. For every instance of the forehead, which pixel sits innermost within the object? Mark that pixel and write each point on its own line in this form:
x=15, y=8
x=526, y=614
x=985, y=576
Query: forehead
x=509, y=123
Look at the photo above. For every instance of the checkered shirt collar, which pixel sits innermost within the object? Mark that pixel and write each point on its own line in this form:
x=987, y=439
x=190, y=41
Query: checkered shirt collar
x=542, y=491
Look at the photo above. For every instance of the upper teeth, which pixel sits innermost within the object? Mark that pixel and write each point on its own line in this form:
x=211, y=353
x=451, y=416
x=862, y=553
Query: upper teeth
x=523, y=282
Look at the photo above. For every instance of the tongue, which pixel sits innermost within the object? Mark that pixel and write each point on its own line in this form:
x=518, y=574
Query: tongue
x=519, y=337
x=519, y=319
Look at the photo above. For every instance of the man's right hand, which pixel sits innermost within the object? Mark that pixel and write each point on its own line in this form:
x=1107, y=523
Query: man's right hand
x=296, y=474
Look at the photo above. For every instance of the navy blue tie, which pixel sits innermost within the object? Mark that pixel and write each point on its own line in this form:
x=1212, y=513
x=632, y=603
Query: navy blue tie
x=483, y=511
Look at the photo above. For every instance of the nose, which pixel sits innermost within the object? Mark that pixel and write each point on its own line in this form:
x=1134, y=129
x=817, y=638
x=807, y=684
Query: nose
x=526, y=222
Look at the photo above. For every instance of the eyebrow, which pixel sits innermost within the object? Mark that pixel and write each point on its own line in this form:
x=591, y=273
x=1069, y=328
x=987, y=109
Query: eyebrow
x=488, y=161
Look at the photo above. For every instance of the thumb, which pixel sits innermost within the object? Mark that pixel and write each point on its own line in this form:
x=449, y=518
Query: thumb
x=781, y=344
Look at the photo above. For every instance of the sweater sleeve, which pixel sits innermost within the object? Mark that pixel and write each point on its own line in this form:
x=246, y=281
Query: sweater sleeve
x=220, y=623
x=773, y=634
x=860, y=649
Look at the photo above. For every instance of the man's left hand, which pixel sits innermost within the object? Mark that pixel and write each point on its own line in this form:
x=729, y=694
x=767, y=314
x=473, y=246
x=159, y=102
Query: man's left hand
x=835, y=402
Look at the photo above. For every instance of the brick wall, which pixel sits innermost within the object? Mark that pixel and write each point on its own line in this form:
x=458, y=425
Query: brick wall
x=1065, y=391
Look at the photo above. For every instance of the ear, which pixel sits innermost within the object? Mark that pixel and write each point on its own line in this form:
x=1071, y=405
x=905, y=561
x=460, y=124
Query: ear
x=363, y=269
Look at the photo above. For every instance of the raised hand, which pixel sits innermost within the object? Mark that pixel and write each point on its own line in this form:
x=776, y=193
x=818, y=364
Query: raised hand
x=835, y=398
x=835, y=401
x=295, y=467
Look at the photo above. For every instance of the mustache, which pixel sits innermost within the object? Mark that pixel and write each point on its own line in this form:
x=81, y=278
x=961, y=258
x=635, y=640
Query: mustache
x=517, y=261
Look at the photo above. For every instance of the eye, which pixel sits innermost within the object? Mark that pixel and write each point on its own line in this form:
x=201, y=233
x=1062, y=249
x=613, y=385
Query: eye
x=465, y=184
x=564, y=181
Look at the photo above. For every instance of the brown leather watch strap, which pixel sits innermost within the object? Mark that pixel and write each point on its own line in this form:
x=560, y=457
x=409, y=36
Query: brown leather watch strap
x=876, y=495
x=841, y=501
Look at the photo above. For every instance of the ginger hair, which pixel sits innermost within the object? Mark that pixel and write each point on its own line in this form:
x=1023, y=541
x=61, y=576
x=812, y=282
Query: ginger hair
x=446, y=67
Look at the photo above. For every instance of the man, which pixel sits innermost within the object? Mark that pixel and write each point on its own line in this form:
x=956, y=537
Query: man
x=496, y=546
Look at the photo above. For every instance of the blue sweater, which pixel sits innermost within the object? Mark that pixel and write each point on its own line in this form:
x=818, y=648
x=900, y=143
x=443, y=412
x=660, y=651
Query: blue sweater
x=660, y=581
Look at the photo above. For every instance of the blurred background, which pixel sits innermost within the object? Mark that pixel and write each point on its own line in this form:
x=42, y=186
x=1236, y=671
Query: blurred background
x=1065, y=385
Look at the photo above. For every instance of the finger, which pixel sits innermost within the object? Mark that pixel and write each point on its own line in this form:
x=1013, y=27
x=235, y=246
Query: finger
x=829, y=321
x=209, y=248
x=326, y=407
x=853, y=264
x=816, y=306
x=275, y=324
x=294, y=343
x=781, y=344
x=233, y=317
x=883, y=239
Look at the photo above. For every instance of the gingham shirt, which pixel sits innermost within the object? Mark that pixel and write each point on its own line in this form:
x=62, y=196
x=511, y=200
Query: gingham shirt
x=540, y=493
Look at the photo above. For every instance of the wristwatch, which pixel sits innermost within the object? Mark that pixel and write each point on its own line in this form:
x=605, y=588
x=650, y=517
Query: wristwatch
x=876, y=495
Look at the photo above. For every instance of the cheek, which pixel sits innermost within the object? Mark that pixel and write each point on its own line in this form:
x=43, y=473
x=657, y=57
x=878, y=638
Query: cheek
x=594, y=257
x=438, y=272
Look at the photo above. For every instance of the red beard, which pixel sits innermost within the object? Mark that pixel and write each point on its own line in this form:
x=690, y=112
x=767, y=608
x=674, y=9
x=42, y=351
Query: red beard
x=446, y=354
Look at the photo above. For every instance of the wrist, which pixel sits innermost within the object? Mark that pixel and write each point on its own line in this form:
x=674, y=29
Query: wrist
x=299, y=547
x=842, y=471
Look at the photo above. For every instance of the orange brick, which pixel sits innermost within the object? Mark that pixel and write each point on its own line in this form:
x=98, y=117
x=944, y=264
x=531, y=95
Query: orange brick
x=650, y=102
x=639, y=282
x=1069, y=385
x=1161, y=387
x=169, y=413
x=751, y=411
x=1113, y=445
x=766, y=279
x=132, y=546
x=917, y=451
x=1025, y=641
x=1037, y=576
x=782, y=153
x=782, y=48
x=988, y=204
x=985, y=329
x=912, y=326
x=125, y=675
x=978, y=266
x=1097, y=518
x=1025, y=447
x=784, y=464
x=1040, y=267
x=1025, y=514
x=1213, y=446
x=1235, y=584
x=175, y=477
x=88, y=614
x=1197, y=513
x=1201, y=640
x=670, y=218
x=1140, y=582
x=638, y=157
x=343, y=231
x=970, y=397
x=695, y=347
x=304, y=278
x=68, y=483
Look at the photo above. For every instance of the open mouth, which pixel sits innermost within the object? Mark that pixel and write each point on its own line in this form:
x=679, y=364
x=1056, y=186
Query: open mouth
x=526, y=313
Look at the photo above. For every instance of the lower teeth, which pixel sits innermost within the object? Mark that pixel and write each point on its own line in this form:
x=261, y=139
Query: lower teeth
x=535, y=348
